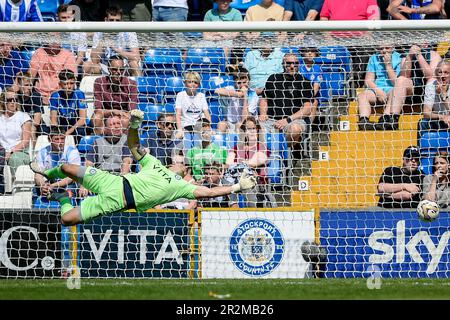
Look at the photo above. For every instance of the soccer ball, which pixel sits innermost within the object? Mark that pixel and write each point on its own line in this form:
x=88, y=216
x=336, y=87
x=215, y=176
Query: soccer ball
x=428, y=210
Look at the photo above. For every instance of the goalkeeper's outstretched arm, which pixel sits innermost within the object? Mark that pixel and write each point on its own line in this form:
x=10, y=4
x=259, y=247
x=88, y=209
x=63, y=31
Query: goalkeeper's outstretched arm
x=245, y=183
x=133, y=142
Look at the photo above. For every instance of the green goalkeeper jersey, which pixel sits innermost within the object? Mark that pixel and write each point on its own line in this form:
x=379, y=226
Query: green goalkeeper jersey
x=155, y=185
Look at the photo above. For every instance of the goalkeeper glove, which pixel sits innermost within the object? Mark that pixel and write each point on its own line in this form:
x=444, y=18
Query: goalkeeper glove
x=245, y=182
x=137, y=116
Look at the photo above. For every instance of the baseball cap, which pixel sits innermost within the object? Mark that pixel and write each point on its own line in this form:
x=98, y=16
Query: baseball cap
x=412, y=152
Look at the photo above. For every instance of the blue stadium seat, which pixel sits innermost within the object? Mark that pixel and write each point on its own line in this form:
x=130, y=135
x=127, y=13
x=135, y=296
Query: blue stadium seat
x=163, y=61
x=151, y=111
x=279, y=154
x=226, y=140
x=335, y=63
x=434, y=140
x=426, y=164
x=44, y=203
x=211, y=82
x=86, y=143
x=49, y=8
x=212, y=60
x=149, y=89
x=171, y=87
x=215, y=109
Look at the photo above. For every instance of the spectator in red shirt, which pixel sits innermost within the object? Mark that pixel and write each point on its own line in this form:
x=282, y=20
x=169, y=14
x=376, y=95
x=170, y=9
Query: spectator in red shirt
x=353, y=10
x=350, y=10
x=114, y=94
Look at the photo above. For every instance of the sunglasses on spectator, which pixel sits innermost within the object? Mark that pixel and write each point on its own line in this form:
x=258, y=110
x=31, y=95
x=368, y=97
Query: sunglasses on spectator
x=291, y=62
x=10, y=100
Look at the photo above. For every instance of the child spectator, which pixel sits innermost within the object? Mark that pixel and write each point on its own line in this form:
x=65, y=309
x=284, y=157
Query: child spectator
x=190, y=105
x=208, y=152
x=67, y=106
x=52, y=155
x=31, y=103
x=235, y=100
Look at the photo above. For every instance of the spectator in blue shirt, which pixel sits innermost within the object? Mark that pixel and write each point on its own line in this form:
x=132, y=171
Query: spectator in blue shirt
x=68, y=107
x=383, y=70
x=160, y=143
x=52, y=155
x=261, y=63
x=20, y=11
x=302, y=10
x=312, y=73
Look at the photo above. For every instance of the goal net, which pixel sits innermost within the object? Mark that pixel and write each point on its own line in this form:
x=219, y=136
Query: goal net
x=340, y=124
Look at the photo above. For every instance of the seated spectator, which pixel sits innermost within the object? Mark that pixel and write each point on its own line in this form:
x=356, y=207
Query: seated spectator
x=266, y=10
x=350, y=10
x=170, y=10
x=20, y=11
x=15, y=131
x=436, y=105
x=160, y=143
x=251, y=151
x=110, y=152
x=223, y=12
x=382, y=71
x=353, y=10
x=2, y=169
x=91, y=10
x=190, y=105
x=401, y=187
x=312, y=72
x=52, y=155
x=68, y=107
x=436, y=186
x=213, y=177
x=417, y=69
x=126, y=47
x=287, y=103
x=46, y=64
x=135, y=10
x=261, y=63
x=77, y=41
x=31, y=102
x=415, y=9
x=114, y=94
x=302, y=10
x=235, y=100
x=8, y=67
x=207, y=152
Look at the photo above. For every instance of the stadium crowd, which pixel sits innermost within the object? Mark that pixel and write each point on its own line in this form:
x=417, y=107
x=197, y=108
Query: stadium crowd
x=267, y=91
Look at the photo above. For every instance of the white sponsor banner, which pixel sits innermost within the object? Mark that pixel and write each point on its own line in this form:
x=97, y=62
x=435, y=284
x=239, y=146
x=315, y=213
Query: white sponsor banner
x=255, y=244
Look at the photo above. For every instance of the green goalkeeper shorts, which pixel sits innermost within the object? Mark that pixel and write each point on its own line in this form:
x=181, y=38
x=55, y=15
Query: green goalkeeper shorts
x=109, y=190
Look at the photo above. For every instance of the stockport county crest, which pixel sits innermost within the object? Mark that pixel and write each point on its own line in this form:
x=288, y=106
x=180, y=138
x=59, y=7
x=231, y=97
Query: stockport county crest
x=256, y=247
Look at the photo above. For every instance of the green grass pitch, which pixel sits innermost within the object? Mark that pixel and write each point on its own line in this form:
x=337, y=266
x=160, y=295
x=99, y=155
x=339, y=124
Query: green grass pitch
x=286, y=289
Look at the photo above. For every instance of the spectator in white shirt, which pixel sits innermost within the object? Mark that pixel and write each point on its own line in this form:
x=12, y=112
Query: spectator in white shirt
x=126, y=46
x=15, y=131
x=190, y=105
x=77, y=42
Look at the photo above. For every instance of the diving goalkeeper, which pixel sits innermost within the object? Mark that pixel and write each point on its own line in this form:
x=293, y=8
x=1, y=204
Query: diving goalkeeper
x=152, y=186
